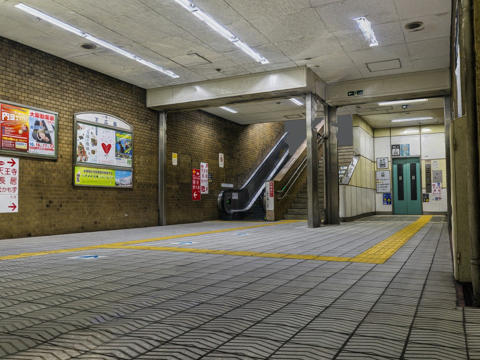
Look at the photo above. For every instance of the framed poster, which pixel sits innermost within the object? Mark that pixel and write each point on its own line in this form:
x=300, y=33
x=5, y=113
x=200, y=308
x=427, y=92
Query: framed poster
x=28, y=131
x=103, y=153
x=383, y=181
x=382, y=163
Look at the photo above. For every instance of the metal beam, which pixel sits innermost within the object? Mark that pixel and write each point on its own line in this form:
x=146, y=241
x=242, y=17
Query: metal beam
x=331, y=166
x=162, y=167
x=313, y=218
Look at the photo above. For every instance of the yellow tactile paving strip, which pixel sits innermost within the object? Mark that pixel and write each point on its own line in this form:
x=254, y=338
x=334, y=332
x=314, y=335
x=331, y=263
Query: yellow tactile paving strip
x=377, y=254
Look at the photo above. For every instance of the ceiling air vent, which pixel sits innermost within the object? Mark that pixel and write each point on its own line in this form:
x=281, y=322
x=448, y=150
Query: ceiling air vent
x=384, y=65
x=414, y=26
x=88, y=46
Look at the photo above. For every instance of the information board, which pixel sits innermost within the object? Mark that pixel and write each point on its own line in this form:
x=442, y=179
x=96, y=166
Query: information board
x=196, y=194
x=383, y=181
x=103, y=153
x=28, y=131
x=9, y=181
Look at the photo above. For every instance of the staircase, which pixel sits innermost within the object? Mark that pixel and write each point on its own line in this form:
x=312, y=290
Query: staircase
x=298, y=209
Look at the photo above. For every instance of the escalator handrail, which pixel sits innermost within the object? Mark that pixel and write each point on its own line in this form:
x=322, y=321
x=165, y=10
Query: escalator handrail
x=259, y=167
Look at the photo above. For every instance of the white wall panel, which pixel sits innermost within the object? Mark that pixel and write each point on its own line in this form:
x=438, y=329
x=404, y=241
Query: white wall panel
x=433, y=146
x=382, y=148
x=343, y=202
x=413, y=140
x=436, y=206
x=348, y=198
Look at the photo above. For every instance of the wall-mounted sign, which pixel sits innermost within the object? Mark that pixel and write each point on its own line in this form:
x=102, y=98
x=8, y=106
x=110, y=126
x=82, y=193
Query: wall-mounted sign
x=395, y=150
x=387, y=199
x=9, y=181
x=103, y=144
x=28, y=131
x=270, y=196
x=210, y=177
x=174, y=159
x=437, y=176
x=382, y=163
x=383, y=181
x=196, y=185
x=428, y=177
x=436, y=189
x=405, y=150
x=425, y=197
x=221, y=160
x=203, y=178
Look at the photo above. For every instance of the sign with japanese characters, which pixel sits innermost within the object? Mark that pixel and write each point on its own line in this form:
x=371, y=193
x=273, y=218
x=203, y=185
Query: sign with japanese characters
x=437, y=191
x=221, y=160
x=89, y=176
x=27, y=130
x=383, y=181
x=270, y=196
x=387, y=199
x=9, y=181
x=196, y=185
x=203, y=178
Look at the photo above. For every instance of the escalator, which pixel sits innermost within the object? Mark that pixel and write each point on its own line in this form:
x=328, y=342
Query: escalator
x=237, y=204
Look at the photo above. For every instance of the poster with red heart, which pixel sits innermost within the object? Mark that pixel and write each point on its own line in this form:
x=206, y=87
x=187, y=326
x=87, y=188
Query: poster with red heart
x=106, y=146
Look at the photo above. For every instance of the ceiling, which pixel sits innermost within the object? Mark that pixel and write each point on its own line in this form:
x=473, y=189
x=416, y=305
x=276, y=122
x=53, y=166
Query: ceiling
x=376, y=116
x=318, y=33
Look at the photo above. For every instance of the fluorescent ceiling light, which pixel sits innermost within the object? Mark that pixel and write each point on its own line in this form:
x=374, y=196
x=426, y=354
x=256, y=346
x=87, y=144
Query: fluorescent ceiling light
x=228, y=109
x=367, y=30
x=93, y=39
x=414, y=119
x=410, y=132
x=426, y=130
x=400, y=102
x=296, y=102
x=192, y=8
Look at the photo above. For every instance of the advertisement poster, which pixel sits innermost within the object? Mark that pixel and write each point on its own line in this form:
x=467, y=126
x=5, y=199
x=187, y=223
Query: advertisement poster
x=9, y=180
x=42, y=133
x=14, y=132
x=123, y=178
x=405, y=150
x=203, y=178
x=123, y=149
x=87, y=143
x=196, y=185
x=94, y=177
x=106, y=146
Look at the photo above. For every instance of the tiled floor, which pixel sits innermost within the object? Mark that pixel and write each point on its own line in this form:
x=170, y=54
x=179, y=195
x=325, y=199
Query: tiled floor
x=121, y=303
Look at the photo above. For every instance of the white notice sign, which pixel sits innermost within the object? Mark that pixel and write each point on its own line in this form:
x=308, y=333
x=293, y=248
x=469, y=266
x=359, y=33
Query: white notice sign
x=221, y=160
x=9, y=175
x=203, y=178
x=270, y=196
x=383, y=181
x=174, y=159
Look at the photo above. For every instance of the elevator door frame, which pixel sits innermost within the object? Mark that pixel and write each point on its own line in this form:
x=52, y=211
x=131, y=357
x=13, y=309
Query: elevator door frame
x=404, y=160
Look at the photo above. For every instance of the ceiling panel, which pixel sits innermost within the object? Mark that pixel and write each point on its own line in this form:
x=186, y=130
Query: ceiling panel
x=407, y=9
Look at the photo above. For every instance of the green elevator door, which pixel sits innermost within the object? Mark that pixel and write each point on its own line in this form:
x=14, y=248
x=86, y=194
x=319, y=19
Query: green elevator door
x=407, y=192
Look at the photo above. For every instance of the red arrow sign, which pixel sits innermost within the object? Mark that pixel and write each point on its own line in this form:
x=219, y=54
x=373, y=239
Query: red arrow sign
x=13, y=207
x=2, y=163
x=11, y=162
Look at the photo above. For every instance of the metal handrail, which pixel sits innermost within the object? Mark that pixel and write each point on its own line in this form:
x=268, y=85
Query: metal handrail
x=297, y=172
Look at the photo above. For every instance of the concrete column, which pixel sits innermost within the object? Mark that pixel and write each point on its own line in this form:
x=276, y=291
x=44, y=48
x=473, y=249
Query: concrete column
x=162, y=167
x=312, y=163
x=447, y=108
x=330, y=157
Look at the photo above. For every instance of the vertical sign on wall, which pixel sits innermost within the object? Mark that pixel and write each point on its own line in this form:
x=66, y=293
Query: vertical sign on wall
x=383, y=181
x=269, y=193
x=174, y=159
x=196, y=185
x=9, y=174
x=221, y=160
x=204, y=178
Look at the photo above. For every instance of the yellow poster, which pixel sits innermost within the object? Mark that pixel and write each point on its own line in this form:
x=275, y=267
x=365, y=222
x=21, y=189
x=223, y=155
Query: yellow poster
x=94, y=176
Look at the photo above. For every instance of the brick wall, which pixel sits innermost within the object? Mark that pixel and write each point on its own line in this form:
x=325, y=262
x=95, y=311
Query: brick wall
x=48, y=202
x=197, y=136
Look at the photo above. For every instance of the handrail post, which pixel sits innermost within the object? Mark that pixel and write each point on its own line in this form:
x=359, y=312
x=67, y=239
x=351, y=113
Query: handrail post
x=313, y=219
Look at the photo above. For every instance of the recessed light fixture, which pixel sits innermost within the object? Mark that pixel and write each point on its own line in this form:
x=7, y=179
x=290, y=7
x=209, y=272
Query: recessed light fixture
x=228, y=109
x=192, y=8
x=88, y=46
x=400, y=102
x=296, y=102
x=93, y=39
x=414, y=119
x=410, y=131
x=367, y=30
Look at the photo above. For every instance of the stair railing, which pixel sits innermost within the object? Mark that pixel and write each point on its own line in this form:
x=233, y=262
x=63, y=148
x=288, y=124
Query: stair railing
x=298, y=171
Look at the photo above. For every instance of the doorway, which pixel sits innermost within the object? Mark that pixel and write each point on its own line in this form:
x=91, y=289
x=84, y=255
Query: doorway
x=406, y=187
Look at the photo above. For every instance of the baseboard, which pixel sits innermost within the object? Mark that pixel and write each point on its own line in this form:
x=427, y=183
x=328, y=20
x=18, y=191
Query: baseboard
x=356, y=217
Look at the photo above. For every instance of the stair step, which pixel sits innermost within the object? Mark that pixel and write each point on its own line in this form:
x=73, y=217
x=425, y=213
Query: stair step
x=297, y=212
x=295, y=217
x=298, y=206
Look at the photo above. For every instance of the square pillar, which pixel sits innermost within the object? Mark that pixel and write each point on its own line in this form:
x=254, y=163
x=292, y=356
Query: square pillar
x=330, y=156
x=312, y=163
x=162, y=167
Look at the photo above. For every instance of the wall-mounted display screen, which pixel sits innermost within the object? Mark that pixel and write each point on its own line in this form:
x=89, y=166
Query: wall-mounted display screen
x=28, y=131
x=103, y=151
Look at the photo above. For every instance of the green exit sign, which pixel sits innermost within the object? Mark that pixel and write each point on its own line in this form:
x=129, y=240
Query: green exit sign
x=355, y=93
